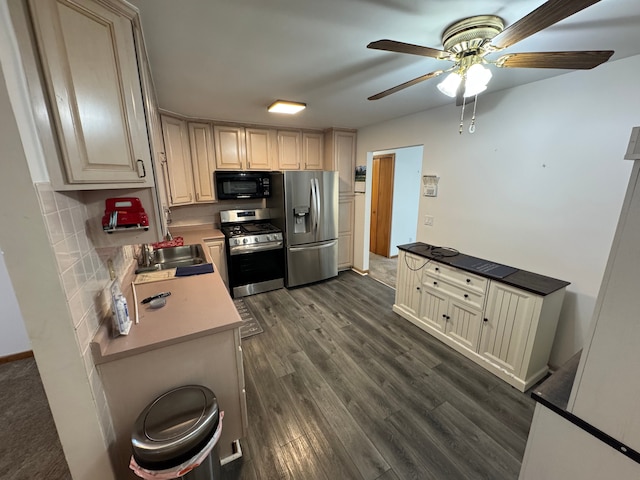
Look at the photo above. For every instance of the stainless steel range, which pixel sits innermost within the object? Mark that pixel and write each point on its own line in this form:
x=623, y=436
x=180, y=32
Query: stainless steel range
x=255, y=251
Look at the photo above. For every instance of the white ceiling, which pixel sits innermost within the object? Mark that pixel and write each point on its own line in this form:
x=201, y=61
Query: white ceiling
x=229, y=59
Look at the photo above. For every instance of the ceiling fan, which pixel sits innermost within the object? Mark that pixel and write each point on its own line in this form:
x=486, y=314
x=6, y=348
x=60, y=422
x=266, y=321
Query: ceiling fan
x=468, y=42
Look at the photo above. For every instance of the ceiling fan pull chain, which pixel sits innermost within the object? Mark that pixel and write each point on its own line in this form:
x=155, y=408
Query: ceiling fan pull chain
x=472, y=126
x=462, y=115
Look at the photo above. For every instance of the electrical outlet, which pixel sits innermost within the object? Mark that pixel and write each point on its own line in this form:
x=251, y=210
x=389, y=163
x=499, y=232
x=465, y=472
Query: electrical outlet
x=428, y=220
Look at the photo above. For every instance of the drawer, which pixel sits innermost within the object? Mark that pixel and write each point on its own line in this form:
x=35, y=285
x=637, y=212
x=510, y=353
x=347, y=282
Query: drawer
x=468, y=281
x=465, y=295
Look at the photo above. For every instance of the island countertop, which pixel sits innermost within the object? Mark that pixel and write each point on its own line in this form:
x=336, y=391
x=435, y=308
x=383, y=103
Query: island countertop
x=522, y=279
x=199, y=305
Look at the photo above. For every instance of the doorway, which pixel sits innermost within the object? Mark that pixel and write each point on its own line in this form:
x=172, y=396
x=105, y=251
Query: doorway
x=382, y=174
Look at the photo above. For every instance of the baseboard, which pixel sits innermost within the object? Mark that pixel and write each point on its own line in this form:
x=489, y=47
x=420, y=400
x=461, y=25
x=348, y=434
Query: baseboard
x=360, y=272
x=16, y=356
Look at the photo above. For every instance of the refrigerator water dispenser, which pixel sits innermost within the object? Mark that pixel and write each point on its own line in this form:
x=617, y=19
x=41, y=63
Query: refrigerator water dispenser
x=302, y=220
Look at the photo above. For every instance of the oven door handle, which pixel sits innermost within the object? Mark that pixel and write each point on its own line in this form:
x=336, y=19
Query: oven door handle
x=243, y=249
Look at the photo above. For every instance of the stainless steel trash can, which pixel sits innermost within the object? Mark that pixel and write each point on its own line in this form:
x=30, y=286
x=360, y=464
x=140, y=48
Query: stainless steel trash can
x=176, y=427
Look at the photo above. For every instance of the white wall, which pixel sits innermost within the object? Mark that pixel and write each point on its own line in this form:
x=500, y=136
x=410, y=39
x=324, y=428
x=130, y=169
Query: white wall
x=406, y=194
x=539, y=185
x=14, y=336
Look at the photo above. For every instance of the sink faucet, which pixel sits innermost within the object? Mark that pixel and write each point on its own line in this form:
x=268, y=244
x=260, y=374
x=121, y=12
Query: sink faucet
x=144, y=259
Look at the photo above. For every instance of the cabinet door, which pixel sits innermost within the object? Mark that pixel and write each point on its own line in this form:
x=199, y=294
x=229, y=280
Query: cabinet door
x=289, y=151
x=91, y=72
x=202, y=161
x=218, y=256
x=260, y=148
x=180, y=176
x=463, y=324
x=346, y=208
x=508, y=317
x=345, y=154
x=312, y=151
x=230, y=147
x=433, y=308
x=409, y=282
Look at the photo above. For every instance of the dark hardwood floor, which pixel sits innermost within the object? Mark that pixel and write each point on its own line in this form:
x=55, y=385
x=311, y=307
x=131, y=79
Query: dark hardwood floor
x=340, y=387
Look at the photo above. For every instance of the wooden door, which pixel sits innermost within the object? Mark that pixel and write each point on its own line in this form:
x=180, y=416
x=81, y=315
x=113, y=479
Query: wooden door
x=381, y=204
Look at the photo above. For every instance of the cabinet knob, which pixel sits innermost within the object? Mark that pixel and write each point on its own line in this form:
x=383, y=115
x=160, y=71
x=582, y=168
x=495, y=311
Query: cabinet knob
x=466, y=296
x=444, y=315
x=468, y=280
x=417, y=288
x=437, y=269
x=435, y=283
x=485, y=320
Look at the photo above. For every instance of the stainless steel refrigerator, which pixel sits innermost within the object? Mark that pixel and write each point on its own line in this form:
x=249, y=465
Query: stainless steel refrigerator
x=304, y=205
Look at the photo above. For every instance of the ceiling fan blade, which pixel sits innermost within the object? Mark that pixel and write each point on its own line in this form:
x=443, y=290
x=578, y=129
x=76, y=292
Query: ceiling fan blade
x=542, y=17
x=568, y=60
x=400, y=47
x=404, y=85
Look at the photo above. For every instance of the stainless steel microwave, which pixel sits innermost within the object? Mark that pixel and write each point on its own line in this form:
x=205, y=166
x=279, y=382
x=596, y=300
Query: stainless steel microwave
x=234, y=185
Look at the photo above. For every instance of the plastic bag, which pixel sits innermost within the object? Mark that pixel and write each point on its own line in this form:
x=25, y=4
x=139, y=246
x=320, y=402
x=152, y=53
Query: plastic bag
x=185, y=467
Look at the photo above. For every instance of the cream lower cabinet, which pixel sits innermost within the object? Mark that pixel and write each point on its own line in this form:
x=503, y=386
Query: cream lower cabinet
x=507, y=330
x=346, y=209
x=217, y=252
x=409, y=284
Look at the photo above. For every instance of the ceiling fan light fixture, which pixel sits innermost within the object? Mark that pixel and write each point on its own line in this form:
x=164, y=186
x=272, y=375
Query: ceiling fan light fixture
x=449, y=86
x=477, y=78
x=285, y=106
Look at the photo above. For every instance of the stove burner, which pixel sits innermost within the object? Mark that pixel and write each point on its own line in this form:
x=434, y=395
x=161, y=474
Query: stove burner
x=235, y=230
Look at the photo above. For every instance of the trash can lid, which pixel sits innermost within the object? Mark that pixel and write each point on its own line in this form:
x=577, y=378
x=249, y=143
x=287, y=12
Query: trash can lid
x=174, y=427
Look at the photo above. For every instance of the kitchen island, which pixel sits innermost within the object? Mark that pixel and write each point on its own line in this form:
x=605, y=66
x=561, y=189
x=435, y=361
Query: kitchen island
x=193, y=339
x=501, y=317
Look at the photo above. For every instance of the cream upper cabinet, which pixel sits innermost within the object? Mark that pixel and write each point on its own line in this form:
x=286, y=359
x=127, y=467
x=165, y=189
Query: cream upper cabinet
x=230, y=147
x=91, y=74
x=289, y=149
x=312, y=151
x=178, y=161
x=261, y=146
x=202, y=160
x=340, y=155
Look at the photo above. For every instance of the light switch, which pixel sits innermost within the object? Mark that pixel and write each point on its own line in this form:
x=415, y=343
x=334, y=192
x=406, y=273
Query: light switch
x=428, y=220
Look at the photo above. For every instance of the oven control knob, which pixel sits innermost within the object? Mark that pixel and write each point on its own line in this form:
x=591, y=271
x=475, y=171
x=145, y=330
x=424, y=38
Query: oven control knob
x=245, y=240
x=257, y=239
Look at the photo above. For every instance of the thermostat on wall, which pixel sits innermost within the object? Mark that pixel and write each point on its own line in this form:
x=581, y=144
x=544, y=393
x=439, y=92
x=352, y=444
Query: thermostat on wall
x=430, y=185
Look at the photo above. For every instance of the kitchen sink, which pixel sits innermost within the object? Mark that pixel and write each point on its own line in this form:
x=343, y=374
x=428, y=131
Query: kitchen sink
x=173, y=257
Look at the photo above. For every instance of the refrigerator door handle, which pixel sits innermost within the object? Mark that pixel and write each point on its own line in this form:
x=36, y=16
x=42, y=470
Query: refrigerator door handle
x=314, y=247
x=318, y=203
x=314, y=206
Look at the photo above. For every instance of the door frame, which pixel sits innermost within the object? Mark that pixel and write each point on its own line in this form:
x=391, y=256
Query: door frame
x=375, y=196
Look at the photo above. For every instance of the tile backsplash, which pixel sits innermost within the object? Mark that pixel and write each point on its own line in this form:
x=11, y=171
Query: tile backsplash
x=84, y=275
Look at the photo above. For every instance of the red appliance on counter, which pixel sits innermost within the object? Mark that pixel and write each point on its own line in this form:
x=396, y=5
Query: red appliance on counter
x=124, y=212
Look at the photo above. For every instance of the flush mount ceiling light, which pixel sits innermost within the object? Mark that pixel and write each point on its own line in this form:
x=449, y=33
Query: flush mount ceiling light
x=284, y=106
